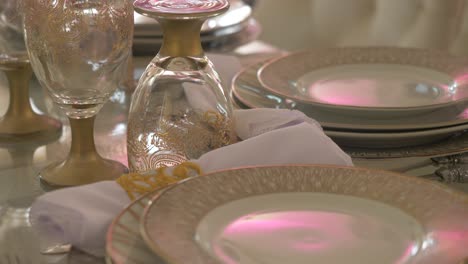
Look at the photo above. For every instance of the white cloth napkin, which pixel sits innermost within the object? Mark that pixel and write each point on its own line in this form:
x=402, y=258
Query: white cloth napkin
x=81, y=215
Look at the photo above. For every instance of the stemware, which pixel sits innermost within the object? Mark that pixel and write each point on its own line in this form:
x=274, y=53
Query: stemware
x=179, y=110
x=20, y=122
x=79, y=50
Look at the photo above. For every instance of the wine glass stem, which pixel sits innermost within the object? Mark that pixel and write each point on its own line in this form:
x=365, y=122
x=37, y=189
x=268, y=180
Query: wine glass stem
x=181, y=38
x=82, y=145
x=18, y=80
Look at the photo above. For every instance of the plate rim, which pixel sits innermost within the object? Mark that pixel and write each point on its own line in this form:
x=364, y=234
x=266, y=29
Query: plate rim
x=110, y=250
x=308, y=52
x=341, y=126
x=429, y=136
x=463, y=197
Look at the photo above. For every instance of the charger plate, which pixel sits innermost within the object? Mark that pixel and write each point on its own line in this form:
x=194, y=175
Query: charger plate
x=307, y=214
x=385, y=81
x=247, y=89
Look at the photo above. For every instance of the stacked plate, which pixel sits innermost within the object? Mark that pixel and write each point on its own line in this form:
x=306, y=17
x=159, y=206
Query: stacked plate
x=294, y=214
x=225, y=32
x=377, y=97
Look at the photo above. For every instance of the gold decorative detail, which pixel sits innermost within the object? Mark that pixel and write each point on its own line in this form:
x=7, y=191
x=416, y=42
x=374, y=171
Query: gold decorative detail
x=178, y=138
x=438, y=208
x=223, y=136
x=65, y=22
x=135, y=183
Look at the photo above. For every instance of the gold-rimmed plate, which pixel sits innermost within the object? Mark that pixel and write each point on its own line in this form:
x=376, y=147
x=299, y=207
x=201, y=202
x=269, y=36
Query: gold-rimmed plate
x=124, y=244
x=307, y=214
x=247, y=89
x=386, y=81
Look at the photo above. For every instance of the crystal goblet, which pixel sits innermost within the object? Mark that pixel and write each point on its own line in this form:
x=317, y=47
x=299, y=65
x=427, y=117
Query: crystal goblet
x=179, y=110
x=79, y=50
x=19, y=123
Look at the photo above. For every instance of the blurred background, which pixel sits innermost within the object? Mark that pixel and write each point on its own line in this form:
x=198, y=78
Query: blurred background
x=302, y=24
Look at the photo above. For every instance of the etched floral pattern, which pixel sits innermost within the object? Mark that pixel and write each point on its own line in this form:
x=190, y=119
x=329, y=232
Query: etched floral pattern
x=79, y=48
x=155, y=143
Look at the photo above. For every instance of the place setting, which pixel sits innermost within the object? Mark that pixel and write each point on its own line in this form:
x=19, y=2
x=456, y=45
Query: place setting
x=228, y=163
x=374, y=102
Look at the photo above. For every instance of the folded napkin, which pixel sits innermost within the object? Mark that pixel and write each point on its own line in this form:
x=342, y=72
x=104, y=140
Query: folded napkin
x=81, y=215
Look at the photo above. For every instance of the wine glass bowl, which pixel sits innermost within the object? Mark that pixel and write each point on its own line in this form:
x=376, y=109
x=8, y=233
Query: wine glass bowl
x=79, y=52
x=11, y=37
x=20, y=122
x=179, y=110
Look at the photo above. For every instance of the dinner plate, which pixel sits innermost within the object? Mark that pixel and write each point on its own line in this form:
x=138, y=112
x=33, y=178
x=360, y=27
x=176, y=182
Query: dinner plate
x=222, y=40
x=386, y=81
x=396, y=144
x=249, y=92
x=380, y=140
x=124, y=244
x=454, y=144
x=307, y=214
x=238, y=13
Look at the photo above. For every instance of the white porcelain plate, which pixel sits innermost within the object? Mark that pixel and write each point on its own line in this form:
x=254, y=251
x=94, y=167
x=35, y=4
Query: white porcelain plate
x=382, y=140
x=308, y=228
x=307, y=214
x=249, y=92
x=387, y=81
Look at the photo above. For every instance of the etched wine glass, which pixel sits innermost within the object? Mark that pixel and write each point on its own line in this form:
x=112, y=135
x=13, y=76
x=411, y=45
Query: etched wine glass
x=78, y=50
x=179, y=110
x=20, y=123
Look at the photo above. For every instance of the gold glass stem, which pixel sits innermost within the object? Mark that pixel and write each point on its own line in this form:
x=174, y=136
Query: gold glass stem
x=83, y=165
x=83, y=146
x=20, y=122
x=181, y=37
x=18, y=80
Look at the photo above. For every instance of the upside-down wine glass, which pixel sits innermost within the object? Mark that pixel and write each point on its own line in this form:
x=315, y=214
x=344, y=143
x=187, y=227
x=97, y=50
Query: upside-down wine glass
x=179, y=110
x=78, y=50
x=20, y=122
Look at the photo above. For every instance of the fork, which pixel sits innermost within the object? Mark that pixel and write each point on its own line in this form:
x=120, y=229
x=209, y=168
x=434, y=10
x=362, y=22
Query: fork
x=451, y=174
x=452, y=168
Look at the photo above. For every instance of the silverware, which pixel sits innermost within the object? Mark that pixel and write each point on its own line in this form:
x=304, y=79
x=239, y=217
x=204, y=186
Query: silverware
x=461, y=158
x=454, y=172
x=451, y=168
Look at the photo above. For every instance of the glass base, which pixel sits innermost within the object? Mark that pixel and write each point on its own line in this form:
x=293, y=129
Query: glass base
x=35, y=127
x=74, y=172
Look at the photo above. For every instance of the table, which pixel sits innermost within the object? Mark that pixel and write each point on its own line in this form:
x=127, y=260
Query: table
x=20, y=164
